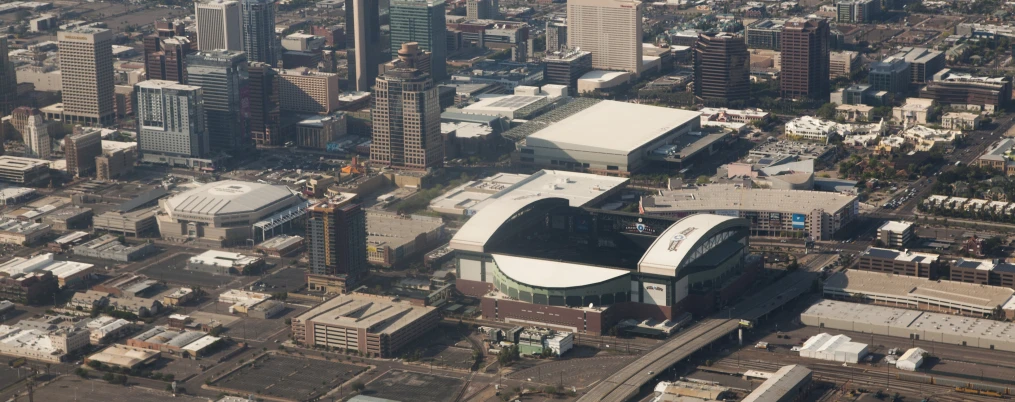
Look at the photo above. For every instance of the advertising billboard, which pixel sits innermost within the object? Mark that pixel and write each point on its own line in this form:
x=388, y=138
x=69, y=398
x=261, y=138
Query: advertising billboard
x=799, y=220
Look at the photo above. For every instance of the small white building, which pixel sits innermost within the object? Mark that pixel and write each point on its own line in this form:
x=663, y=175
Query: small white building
x=838, y=348
x=560, y=342
x=911, y=360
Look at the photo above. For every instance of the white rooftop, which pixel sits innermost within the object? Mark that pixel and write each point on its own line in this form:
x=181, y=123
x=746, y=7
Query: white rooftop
x=227, y=197
x=223, y=259
x=896, y=226
x=614, y=127
x=672, y=249
x=577, y=188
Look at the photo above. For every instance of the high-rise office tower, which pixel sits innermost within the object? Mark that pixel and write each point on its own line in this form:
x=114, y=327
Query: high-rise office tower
x=805, y=63
x=307, y=91
x=37, y=142
x=165, y=58
x=222, y=74
x=264, y=109
x=406, y=116
x=722, y=68
x=336, y=238
x=81, y=148
x=556, y=34
x=219, y=25
x=8, y=81
x=170, y=119
x=857, y=11
x=609, y=29
x=423, y=22
x=86, y=71
x=482, y=9
x=363, y=42
x=259, y=31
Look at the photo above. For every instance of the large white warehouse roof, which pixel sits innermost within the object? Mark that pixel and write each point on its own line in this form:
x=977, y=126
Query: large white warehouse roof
x=613, y=127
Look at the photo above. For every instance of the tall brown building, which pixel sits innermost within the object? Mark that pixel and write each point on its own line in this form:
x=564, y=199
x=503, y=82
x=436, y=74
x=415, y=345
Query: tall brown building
x=336, y=239
x=805, y=65
x=264, y=109
x=722, y=72
x=406, y=116
x=165, y=58
x=81, y=148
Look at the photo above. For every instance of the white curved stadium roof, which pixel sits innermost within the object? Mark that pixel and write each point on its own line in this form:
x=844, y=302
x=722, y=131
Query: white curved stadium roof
x=553, y=274
x=676, y=242
x=227, y=197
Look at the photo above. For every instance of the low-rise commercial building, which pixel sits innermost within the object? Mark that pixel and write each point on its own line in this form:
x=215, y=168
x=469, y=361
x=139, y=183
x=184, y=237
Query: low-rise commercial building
x=909, y=324
x=13, y=231
x=164, y=339
x=776, y=213
x=106, y=329
x=131, y=223
x=999, y=157
x=225, y=263
x=372, y=325
x=393, y=238
x=948, y=297
x=911, y=360
x=24, y=171
x=108, y=247
x=925, y=138
x=983, y=272
x=125, y=357
x=789, y=383
x=895, y=233
x=907, y=263
x=914, y=111
x=961, y=120
x=838, y=348
x=127, y=284
x=48, y=339
x=250, y=303
x=964, y=90
x=68, y=273
x=281, y=246
x=178, y=297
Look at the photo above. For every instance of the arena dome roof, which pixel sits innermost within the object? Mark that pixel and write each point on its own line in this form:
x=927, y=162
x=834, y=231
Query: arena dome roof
x=227, y=197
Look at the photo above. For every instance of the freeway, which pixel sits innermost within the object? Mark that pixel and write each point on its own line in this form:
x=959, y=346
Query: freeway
x=627, y=382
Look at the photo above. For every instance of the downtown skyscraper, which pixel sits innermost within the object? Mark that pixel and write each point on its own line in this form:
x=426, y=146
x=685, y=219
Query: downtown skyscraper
x=170, y=120
x=722, y=71
x=219, y=25
x=805, y=59
x=406, y=115
x=336, y=238
x=609, y=29
x=8, y=81
x=86, y=75
x=363, y=42
x=223, y=76
x=259, y=31
x=423, y=22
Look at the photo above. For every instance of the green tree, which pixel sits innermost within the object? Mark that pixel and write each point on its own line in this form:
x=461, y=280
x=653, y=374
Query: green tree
x=108, y=377
x=357, y=386
x=826, y=111
x=703, y=179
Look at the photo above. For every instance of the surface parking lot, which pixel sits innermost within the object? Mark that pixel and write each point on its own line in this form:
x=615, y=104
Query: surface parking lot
x=290, y=377
x=410, y=386
x=172, y=271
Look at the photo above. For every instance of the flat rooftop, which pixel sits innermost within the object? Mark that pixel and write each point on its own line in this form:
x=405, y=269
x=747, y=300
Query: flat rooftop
x=907, y=256
x=395, y=230
x=896, y=226
x=597, y=127
x=967, y=294
x=775, y=389
x=18, y=163
x=730, y=197
x=371, y=313
x=223, y=259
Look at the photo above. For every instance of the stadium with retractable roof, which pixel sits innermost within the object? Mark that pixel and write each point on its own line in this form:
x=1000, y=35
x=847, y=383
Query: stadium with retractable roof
x=541, y=255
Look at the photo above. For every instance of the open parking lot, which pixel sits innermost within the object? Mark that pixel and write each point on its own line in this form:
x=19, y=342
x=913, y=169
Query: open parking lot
x=256, y=329
x=411, y=386
x=290, y=377
x=286, y=280
x=74, y=388
x=172, y=271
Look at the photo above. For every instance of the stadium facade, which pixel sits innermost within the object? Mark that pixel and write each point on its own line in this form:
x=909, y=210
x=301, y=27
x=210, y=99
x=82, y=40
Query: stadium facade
x=540, y=259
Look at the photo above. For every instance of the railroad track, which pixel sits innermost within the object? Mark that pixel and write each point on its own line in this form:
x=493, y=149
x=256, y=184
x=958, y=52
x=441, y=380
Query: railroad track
x=841, y=376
